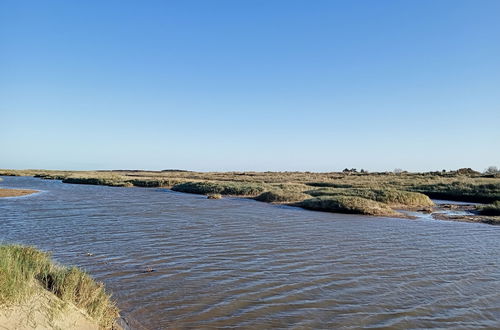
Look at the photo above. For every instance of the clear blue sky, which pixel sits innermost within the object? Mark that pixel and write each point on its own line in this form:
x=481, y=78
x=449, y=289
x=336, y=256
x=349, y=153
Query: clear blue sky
x=250, y=85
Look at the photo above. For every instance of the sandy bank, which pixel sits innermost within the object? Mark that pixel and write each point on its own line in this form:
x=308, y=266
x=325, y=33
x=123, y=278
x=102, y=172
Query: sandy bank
x=37, y=293
x=16, y=192
x=44, y=310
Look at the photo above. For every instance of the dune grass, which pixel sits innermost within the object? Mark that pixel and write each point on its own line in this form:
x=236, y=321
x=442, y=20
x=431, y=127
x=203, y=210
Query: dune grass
x=24, y=267
x=490, y=209
x=347, y=204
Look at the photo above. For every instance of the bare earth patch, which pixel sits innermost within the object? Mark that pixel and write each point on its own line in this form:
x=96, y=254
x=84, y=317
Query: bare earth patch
x=16, y=192
x=44, y=310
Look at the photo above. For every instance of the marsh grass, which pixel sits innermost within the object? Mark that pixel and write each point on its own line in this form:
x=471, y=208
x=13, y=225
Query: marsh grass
x=155, y=182
x=462, y=191
x=490, y=209
x=281, y=196
x=347, y=204
x=398, y=190
x=214, y=196
x=392, y=197
x=22, y=268
x=223, y=188
x=102, y=181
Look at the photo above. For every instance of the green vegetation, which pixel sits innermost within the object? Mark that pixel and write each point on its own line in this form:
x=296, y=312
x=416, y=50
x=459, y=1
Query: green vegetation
x=462, y=191
x=152, y=182
x=116, y=182
x=348, y=204
x=214, y=196
x=397, y=190
x=23, y=269
x=490, y=209
x=281, y=196
x=392, y=197
x=224, y=188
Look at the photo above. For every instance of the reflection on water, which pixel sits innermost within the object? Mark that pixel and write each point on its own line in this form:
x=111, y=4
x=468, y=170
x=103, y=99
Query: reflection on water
x=241, y=263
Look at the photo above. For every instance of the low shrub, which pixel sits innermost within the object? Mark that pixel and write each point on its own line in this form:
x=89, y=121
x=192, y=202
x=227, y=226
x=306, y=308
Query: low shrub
x=214, y=196
x=166, y=183
x=329, y=184
x=490, y=209
x=281, y=196
x=347, y=204
x=461, y=191
x=101, y=181
x=392, y=197
x=50, y=176
x=224, y=188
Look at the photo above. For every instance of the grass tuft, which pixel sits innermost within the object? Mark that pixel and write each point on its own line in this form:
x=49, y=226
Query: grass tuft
x=22, y=266
x=214, y=196
x=392, y=197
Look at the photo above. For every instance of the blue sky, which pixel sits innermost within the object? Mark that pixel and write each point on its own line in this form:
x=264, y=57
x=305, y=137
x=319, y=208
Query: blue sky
x=250, y=85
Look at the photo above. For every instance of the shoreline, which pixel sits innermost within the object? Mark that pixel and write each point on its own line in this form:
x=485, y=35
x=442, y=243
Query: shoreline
x=438, y=211
x=37, y=292
x=12, y=192
x=385, y=194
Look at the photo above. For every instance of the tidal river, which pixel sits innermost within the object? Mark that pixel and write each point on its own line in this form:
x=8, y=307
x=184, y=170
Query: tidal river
x=242, y=263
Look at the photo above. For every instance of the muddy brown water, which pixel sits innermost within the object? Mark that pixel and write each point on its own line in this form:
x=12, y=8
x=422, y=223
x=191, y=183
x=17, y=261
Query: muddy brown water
x=246, y=264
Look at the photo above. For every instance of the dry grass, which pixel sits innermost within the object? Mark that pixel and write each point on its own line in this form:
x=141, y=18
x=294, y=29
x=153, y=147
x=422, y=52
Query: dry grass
x=21, y=266
x=397, y=190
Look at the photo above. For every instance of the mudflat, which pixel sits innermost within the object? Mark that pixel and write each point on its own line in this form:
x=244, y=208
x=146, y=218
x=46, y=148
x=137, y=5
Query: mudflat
x=16, y=192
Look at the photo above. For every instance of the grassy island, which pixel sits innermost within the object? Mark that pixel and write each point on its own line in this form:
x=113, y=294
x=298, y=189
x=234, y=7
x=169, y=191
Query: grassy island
x=380, y=193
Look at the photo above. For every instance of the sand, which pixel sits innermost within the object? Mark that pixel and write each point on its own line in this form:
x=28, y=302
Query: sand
x=44, y=310
x=16, y=193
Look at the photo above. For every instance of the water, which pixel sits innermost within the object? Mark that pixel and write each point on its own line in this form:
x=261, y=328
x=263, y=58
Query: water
x=241, y=263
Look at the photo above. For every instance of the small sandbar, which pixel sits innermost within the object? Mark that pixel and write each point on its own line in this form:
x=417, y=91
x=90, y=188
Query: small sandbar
x=16, y=192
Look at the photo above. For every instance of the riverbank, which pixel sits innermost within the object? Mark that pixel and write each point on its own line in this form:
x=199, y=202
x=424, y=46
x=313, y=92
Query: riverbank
x=36, y=293
x=379, y=194
x=16, y=192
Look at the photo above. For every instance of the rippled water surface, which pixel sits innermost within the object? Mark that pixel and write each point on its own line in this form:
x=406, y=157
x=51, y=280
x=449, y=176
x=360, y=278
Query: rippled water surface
x=241, y=263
